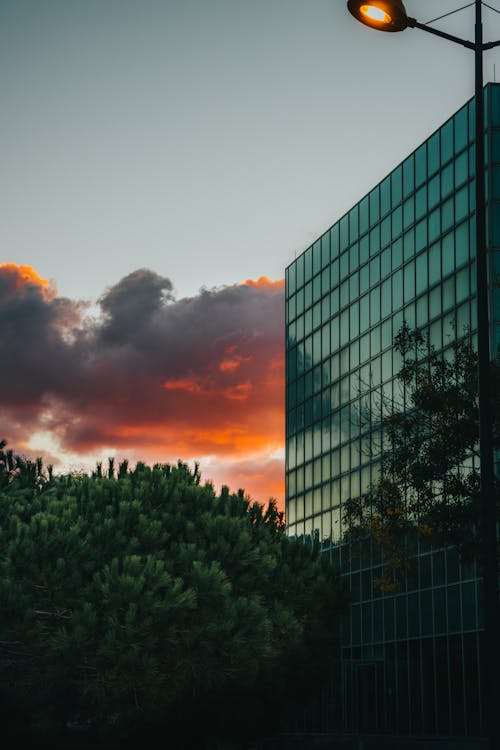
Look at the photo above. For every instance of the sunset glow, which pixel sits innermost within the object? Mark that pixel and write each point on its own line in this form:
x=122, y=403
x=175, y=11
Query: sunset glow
x=153, y=379
x=189, y=386
x=265, y=282
x=23, y=276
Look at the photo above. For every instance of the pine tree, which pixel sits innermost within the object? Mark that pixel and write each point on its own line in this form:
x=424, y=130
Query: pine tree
x=147, y=599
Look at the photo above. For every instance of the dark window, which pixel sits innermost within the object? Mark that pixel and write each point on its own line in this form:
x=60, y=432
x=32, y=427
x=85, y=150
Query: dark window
x=469, y=605
x=439, y=596
x=471, y=681
x=426, y=612
x=403, y=688
x=415, y=687
x=454, y=619
x=442, y=700
x=457, y=685
x=389, y=618
x=438, y=568
x=428, y=686
x=401, y=621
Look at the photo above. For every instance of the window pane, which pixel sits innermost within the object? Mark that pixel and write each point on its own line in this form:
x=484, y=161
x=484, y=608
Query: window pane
x=462, y=204
x=396, y=185
x=408, y=176
x=434, y=225
x=447, y=142
x=421, y=202
x=461, y=129
x=434, y=263
x=363, y=216
x=433, y=156
x=461, y=168
x=447, y=181
x=462, y=244
x=334, y=241
x=421, y=273
x=374, y=206
x=397, y=222
x=353, y=223
x=397, y=289
x=448, y=254
x=344, y=233
x=385, y=196
x=409, y=280
x=421, y=235
x=421, y=165
x=447, y=215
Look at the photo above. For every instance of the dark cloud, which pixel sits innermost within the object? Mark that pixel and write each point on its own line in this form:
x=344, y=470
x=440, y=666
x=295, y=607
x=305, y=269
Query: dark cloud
x=130, y=305
x=154, y=376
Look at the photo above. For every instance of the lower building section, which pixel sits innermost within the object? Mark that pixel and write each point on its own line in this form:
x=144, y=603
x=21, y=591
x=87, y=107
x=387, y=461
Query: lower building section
x=325, y=741
x=404, y=254
x=410, y=663
x=426, y=686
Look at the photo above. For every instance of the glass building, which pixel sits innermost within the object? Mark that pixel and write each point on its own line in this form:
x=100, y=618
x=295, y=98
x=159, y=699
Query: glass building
x=405, y=252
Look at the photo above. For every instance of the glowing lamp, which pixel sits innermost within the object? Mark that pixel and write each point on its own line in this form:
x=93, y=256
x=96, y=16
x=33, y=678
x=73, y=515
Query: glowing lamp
x=384, y=15
x=373, y=13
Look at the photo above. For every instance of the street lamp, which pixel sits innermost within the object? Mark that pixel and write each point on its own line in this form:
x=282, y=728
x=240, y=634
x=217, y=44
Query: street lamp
x=384, y=16
x=391, y=15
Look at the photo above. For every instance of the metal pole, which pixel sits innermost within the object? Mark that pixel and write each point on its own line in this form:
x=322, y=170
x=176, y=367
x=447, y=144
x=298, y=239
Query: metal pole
x=487, y=472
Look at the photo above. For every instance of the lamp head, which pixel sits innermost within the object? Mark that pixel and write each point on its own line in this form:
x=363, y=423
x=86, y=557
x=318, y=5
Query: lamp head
x=384, y=15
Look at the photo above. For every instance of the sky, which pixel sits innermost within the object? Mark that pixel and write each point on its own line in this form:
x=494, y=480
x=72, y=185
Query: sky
x=161, y=162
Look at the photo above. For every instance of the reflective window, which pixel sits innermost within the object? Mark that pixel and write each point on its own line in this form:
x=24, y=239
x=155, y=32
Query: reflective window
x=353, y=223
x=374, y=206
x=447, y=142
x=404, y=252
x=461, y=122
x=408, y=175
x=343, y=233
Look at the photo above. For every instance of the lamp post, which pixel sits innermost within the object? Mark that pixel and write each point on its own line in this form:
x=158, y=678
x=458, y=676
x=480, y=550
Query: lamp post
x=391, y=16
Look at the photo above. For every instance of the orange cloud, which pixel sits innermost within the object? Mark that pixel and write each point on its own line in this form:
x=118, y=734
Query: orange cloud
x=154, y=378
x=239, y=392
x=20, y=277
x=232, y=364
x=183, y=384
x=263, y=282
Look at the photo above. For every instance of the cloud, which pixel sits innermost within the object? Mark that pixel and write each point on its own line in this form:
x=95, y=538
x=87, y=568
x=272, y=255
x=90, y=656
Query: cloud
x=264, y=474
x=152, y=377
x=14, y=278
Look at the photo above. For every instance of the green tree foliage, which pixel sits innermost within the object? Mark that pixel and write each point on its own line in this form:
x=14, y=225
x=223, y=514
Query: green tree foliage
x=428, y=490
x=147, y=600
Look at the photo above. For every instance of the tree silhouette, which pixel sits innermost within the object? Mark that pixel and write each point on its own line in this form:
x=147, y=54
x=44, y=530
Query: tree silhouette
x=148, y=601
x=428, y=491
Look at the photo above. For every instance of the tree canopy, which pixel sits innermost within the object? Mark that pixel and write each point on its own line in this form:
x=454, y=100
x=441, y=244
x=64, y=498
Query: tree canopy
x=145, y=599
x=428, y=490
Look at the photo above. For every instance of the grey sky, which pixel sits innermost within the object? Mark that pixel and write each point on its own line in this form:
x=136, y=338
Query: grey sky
x=208, y=140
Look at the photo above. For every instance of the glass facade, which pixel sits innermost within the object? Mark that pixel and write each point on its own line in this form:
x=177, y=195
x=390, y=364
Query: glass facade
x=405, y=252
